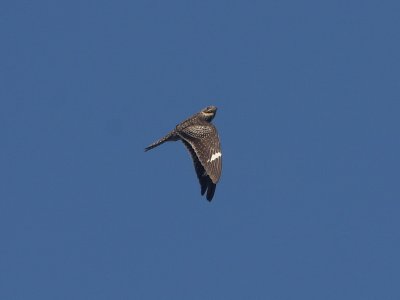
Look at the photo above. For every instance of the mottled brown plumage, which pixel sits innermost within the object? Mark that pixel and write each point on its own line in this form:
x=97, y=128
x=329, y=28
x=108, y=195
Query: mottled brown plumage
x=201, y=139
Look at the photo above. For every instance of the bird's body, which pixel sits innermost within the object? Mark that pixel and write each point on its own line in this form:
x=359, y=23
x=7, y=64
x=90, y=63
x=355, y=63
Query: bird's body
x=201, y=139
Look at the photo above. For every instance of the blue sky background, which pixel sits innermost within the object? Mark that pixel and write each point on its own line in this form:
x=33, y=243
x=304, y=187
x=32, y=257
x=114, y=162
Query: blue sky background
x=308, y=204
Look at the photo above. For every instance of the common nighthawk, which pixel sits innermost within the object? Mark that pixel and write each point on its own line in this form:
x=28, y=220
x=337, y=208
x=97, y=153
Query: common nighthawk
x=201, y=139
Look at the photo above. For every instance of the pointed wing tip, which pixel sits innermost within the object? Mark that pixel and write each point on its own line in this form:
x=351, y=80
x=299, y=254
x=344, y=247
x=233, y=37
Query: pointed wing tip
x=148, y=148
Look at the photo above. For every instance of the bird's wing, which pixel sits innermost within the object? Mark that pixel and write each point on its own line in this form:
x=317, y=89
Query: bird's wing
x=203, y=139
x=205, y=181
x=171, y=136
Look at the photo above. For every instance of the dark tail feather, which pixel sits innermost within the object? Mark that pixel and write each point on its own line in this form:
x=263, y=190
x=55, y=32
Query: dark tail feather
x=169, y=137
x=207, y=186
x=211, y=191
x=204, y=183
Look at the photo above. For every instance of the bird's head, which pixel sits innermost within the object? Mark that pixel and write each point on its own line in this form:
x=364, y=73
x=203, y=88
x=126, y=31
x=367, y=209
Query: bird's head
x=209, y=113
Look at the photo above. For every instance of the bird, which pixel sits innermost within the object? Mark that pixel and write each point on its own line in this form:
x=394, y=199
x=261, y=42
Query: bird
x=201, y=139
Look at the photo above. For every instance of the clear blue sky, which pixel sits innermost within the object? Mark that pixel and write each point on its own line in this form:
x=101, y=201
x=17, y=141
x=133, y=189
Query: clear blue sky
x=309, y=116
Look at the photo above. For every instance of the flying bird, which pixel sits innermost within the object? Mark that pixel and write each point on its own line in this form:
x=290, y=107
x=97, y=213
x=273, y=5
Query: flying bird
x=201, y=139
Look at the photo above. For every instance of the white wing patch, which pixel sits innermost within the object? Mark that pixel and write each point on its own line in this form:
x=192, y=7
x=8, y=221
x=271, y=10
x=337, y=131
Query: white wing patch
x=214, y=156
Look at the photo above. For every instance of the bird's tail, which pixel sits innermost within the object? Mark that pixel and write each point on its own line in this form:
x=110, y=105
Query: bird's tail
x=172, y=136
